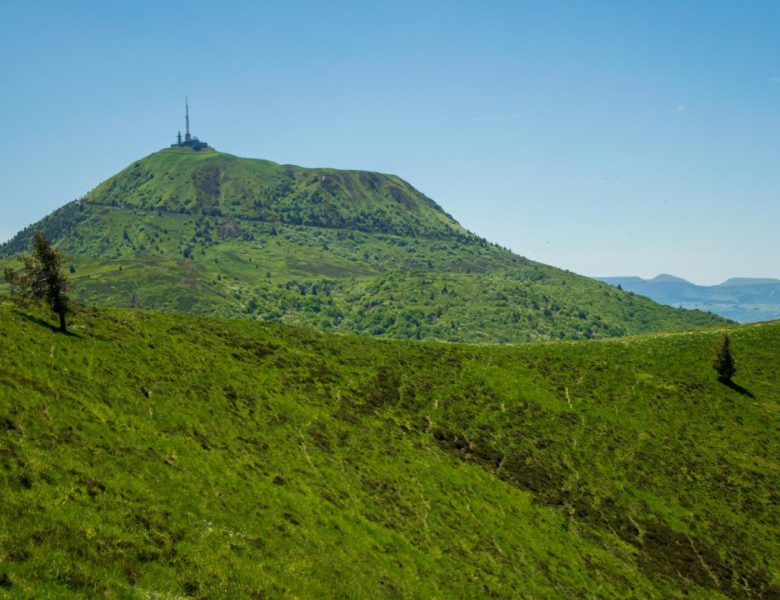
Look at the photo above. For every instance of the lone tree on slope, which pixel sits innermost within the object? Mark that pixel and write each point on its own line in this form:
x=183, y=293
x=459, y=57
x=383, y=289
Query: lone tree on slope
x=723, y=361
x=43, y=278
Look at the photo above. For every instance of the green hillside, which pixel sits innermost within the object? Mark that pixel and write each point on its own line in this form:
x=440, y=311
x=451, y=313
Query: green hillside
x=348, y=251
x=153, y=455
x=179, y=180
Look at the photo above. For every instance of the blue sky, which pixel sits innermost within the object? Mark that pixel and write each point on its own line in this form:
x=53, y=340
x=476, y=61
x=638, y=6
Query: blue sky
x=608, y=138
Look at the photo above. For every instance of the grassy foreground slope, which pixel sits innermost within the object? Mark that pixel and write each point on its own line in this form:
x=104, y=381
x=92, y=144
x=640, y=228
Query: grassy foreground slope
x=166, y=456
x=346, y=251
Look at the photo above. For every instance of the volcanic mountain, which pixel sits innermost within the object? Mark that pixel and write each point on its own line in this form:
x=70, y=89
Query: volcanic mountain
x=350, y=251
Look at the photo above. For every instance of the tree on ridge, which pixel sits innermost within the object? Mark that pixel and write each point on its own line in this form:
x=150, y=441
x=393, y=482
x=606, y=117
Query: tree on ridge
x=43, y=278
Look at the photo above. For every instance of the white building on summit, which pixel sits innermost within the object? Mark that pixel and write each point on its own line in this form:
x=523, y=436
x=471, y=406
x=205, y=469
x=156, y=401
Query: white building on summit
x=189, y=140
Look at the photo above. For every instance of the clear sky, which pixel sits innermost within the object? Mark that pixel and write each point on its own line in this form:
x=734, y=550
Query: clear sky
x=608, y=138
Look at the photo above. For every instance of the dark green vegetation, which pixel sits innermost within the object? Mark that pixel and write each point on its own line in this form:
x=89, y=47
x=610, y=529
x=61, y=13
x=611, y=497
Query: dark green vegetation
x=43, y=278
x=746, y=300
x=158, y=455
x=723, y=361
x=348, y=251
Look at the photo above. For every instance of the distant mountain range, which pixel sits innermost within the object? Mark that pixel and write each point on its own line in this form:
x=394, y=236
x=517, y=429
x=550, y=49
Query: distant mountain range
x=742, y=299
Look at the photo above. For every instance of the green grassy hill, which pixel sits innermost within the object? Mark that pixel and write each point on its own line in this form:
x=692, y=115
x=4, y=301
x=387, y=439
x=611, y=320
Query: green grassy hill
x=348, y=251
x=153, y=455
x=180, y=180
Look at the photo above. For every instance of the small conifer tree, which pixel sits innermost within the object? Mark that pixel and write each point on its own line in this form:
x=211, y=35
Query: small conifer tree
x=10, y=277
x=723, y=361
x=43, y=278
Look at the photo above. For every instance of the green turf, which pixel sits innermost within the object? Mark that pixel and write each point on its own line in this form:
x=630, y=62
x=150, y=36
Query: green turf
x=154, y=455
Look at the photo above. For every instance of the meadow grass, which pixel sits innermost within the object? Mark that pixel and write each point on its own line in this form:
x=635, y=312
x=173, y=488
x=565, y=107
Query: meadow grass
x=165, y=455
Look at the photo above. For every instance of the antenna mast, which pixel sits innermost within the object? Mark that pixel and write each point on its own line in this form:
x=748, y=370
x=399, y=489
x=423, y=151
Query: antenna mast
x=189, y=140
x=187, y=136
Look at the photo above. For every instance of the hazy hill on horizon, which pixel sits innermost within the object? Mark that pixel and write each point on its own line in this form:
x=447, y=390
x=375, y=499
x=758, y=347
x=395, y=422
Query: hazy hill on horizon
x=741, y=299
x=350, y=251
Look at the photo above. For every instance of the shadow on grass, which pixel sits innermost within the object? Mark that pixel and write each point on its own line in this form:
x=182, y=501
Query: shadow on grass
x=738, y=388
x=42, y=323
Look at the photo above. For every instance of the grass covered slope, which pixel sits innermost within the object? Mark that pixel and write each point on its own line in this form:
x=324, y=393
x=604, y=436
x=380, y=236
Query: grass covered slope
x=180, y=180
x=161, y=455
x=347, y=251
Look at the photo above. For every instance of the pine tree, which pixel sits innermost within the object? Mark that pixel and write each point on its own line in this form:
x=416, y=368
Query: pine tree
x=43, y=278
x=723, y=361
